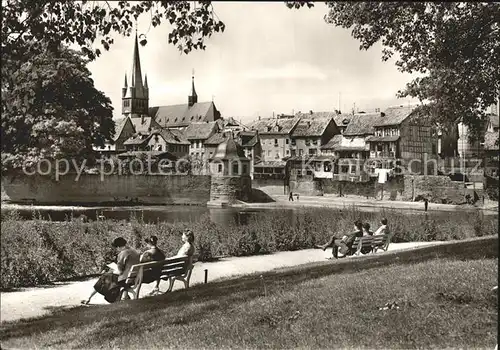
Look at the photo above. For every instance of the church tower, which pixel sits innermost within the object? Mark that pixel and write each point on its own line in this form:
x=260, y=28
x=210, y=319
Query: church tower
x=135, y=93
x=193, y=98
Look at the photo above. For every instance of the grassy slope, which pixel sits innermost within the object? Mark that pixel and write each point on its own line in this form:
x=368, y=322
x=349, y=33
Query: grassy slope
x=444, y=303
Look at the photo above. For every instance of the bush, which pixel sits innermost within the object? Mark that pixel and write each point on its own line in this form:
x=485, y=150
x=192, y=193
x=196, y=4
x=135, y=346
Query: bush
x=36, y=252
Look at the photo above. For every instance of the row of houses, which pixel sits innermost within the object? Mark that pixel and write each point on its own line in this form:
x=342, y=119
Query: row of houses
x=279, y=147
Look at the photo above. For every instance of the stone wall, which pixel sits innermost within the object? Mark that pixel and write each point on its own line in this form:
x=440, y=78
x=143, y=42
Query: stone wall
x=439, y=189
x=229, y=189
x=114, y=189
x=269, y=186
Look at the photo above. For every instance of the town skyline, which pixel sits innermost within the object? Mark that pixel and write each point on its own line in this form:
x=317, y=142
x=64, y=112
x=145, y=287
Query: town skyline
x=247, y=83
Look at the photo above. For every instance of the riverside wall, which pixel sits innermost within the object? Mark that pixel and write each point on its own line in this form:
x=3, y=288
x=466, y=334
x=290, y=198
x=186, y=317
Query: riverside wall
x=113, y=189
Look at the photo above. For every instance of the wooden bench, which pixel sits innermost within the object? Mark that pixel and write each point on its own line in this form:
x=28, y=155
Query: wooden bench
x=373, y=243
x=171, y=269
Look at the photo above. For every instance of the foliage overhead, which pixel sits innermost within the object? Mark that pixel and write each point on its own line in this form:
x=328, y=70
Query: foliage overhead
x=455, y=47
x=52, y=110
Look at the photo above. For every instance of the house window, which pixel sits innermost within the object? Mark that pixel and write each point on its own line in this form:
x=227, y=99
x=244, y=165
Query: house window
x=211, y=154
x=353, y=169
x=287, y=152
x=307, y=142
x=344, y=169
x=277, y=156
x=315, y=142
x=268, y=153
x=235, y=168
x=301, y=152
x=287, y=141
x=159, y=148
x=293, y=142
x=244, y=171
x=312, y=151
x=293, y=153
x=276, y=142
x=219, y=168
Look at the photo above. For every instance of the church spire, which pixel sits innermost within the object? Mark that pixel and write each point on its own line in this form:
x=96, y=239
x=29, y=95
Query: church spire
x=136, y=77
x=145, y=81
x=193, y=98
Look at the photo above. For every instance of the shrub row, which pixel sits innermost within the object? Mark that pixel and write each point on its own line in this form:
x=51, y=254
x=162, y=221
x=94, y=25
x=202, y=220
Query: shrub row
x=37, y=252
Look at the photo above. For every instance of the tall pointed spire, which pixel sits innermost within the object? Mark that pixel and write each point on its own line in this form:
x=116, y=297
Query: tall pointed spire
x=125, y=83
x=193, y=98
x=136, y=77
x=145, y=81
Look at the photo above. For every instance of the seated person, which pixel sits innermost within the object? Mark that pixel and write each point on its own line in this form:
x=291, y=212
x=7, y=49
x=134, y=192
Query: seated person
x=110, y=284
x=153, y=254
x=344, y=244
x=366, y=232
x=187, y=248
x=382, y=230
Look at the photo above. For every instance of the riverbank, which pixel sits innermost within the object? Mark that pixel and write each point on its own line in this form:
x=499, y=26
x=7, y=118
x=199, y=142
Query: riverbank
x=333, y=201
x=40, y=301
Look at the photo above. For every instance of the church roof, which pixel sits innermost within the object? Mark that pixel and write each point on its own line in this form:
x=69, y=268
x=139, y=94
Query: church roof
x=182, y=114
x=200, y=131
x=229, y=149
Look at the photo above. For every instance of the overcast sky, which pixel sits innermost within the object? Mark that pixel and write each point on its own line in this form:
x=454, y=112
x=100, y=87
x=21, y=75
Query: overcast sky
x=269, y=59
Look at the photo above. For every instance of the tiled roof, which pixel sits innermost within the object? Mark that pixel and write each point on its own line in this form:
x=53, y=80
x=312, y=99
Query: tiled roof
x=215, y=139
x=274, y=126
x=145, y=124
x=271, y=164
x=163, y=154
x=490, y=141
x=395, y=115
x=334, y=141
x=362, y=124
x=200, y=131
x=137, y=139
x=171, y=138
x=382, y=138
x=182, y=114
x=252, y=142
x=119, y=125
x=311, y=127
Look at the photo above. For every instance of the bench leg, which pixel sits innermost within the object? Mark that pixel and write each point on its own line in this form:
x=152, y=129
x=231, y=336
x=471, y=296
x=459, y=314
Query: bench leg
x=171, y=281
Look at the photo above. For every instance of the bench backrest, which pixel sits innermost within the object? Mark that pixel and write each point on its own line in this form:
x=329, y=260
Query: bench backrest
x=171, y=267
x=371, y=240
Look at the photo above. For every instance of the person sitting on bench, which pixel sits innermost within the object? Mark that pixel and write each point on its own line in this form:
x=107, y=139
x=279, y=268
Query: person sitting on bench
x=382, y=230
x=153, y=254
x=366, y=233
x=187, y=248
x=345, y=244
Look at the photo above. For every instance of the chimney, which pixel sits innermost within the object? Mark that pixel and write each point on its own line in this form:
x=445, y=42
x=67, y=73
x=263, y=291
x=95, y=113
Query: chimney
x=311, y=112
x=382, y=114
x=259, y=117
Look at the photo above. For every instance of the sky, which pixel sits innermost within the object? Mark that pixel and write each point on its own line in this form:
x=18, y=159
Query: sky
x=270, y=59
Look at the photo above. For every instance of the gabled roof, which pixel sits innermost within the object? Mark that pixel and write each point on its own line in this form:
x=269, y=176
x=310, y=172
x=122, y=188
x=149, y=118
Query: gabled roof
x=362, y=124
x=395, y=115
x=170, y=137
x=119, y=126
x=311, y=127
x=215, y=139
x=182, y=114
x=200, y=131
x=252, y=142
x=137, y=139
x=145, y=124
x=334, y=142
x=274, y=126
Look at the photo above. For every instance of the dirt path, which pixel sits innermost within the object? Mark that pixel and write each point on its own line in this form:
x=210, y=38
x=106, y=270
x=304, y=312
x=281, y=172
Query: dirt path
x=32, y=302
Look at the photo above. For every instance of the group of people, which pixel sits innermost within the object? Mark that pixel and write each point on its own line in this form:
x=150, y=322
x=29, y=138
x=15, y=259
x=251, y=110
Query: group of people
x=344, y=244
x=111, y=283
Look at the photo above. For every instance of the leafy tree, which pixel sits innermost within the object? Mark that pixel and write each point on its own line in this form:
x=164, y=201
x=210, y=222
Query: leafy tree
x=454, y=46
x=52, y=110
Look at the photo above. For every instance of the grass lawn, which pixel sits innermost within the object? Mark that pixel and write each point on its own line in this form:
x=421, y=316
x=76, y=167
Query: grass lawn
x=443, y=303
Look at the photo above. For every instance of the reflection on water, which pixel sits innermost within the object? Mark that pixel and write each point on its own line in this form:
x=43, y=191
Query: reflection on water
x=171, y=214
x=222, y=216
